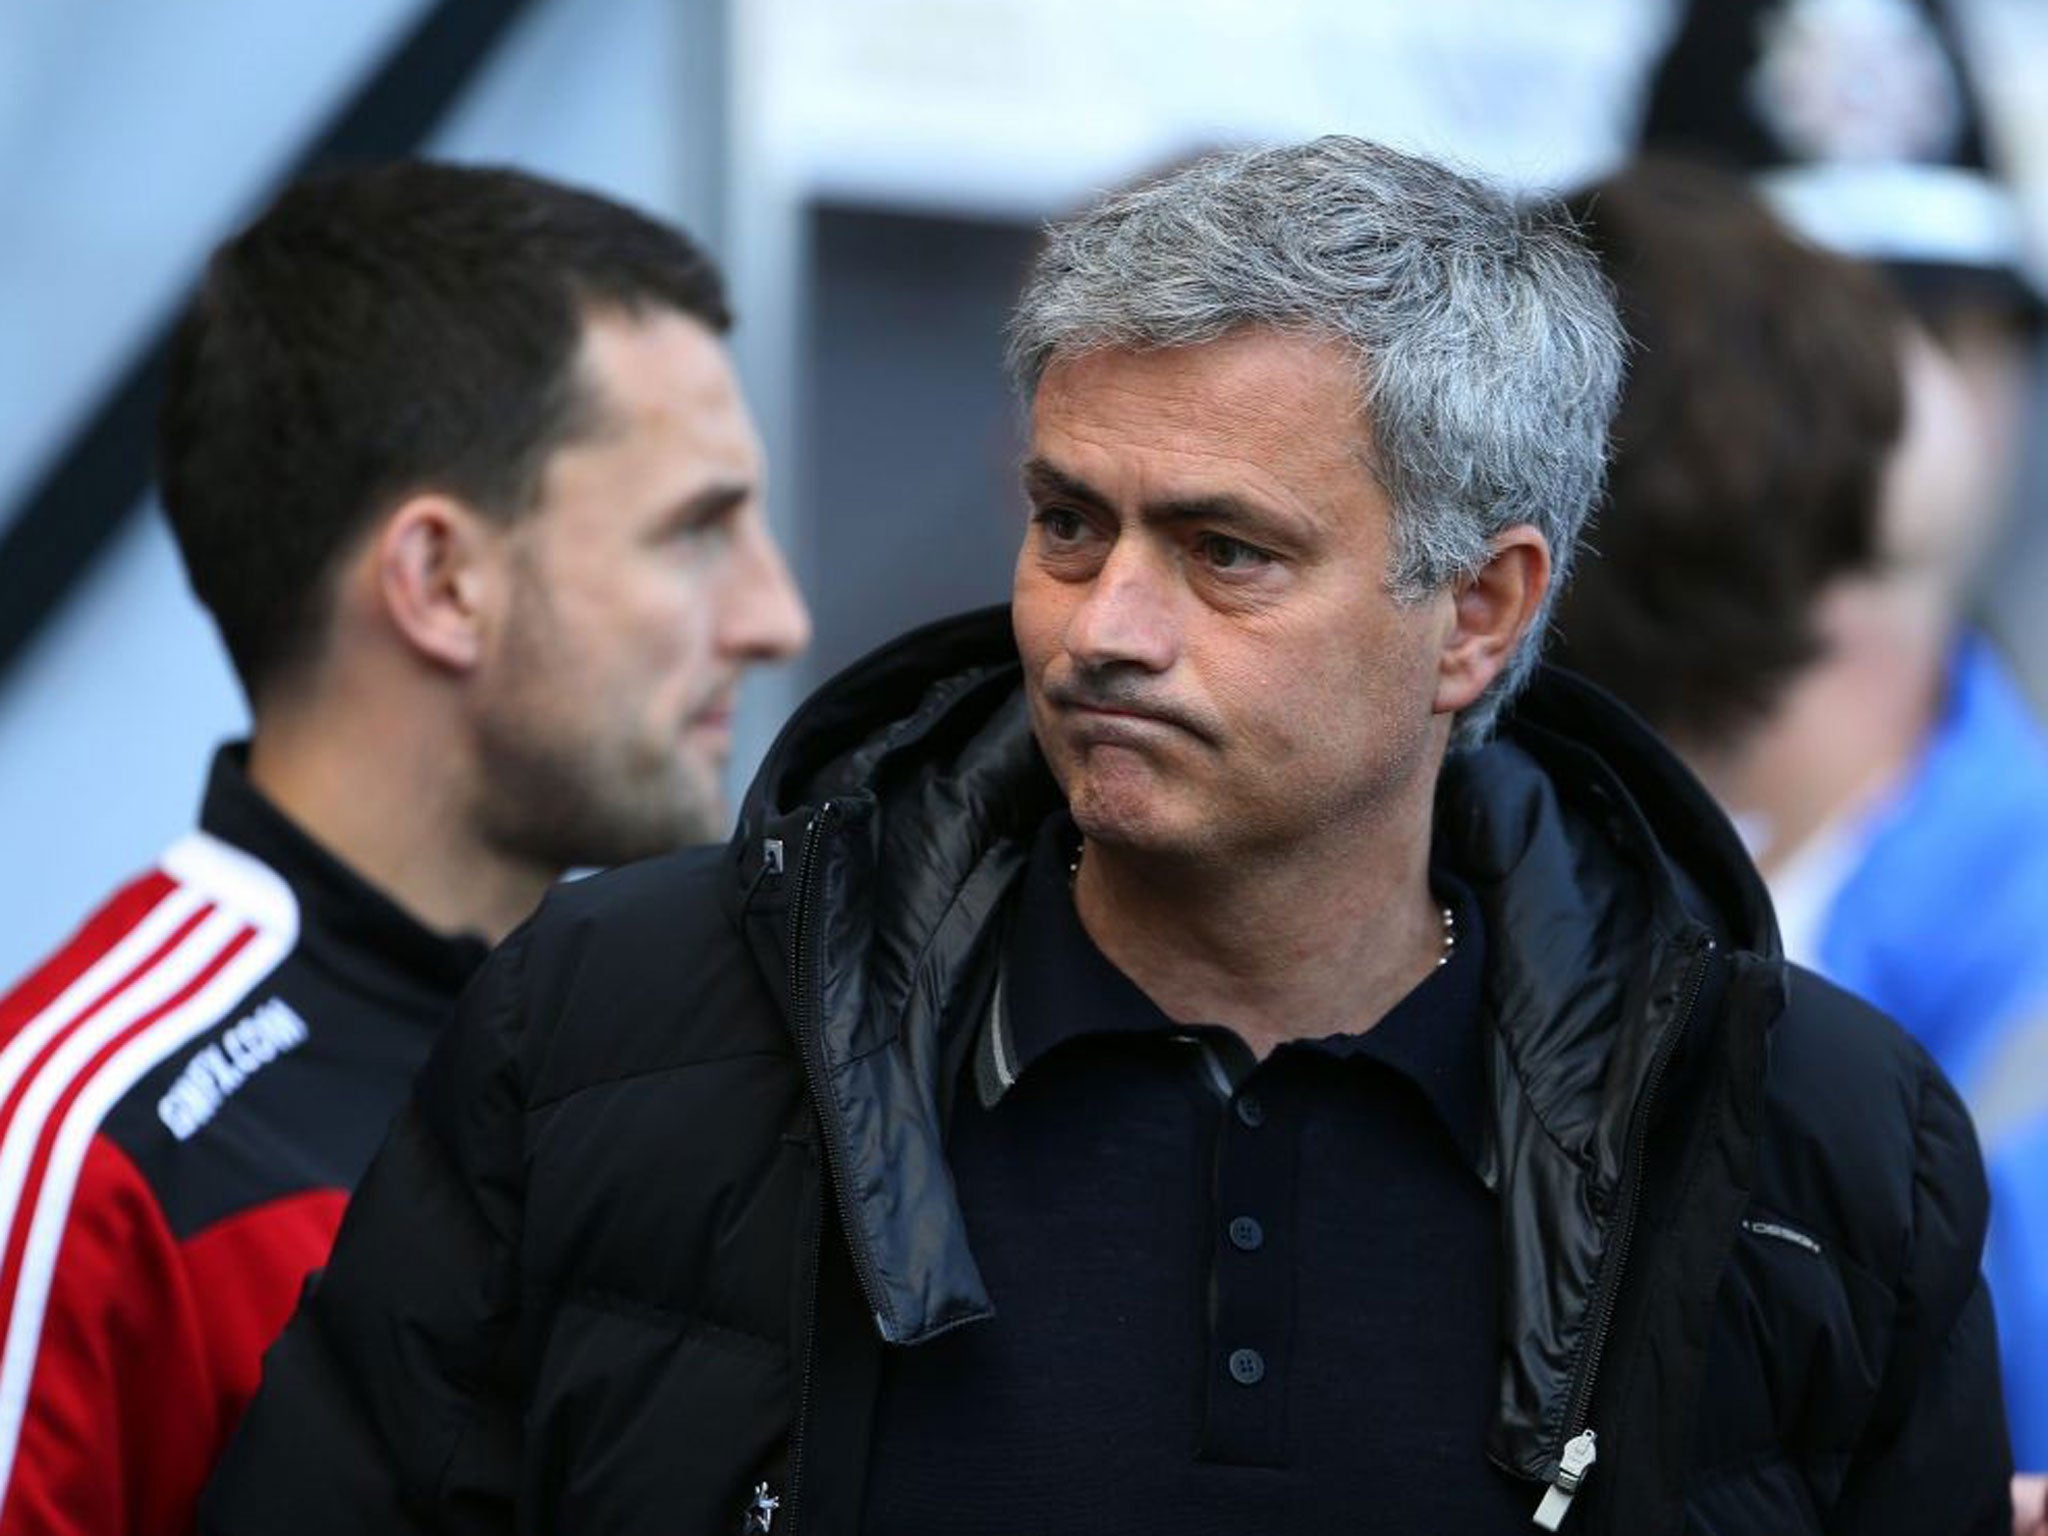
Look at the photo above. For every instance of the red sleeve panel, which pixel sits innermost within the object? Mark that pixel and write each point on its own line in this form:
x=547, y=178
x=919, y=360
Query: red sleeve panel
x=121, y=1406
x=118, y=1381
x=186, y=1091
x=248, y=1269
x=149, y=1352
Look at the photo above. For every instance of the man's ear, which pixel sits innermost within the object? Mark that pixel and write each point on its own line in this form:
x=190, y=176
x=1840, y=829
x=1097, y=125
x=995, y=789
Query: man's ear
x=1492, y=609
x=439, y=569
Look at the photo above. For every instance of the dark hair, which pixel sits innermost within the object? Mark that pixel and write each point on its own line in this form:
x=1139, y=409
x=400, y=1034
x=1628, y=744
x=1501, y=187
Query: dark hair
x=377, y=332
x=1761, y=399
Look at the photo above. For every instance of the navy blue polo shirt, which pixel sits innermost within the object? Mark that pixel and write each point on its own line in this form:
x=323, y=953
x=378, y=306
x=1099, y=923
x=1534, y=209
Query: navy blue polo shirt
x=1232, y=1296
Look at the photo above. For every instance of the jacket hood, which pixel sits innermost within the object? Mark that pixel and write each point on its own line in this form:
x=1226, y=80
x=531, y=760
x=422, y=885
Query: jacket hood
x=873, y=855
x=921, y=698
x=911, y=784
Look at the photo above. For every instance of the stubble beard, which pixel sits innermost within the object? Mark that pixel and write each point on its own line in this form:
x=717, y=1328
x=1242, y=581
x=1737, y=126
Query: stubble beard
x=567, y=784
x=551, y=801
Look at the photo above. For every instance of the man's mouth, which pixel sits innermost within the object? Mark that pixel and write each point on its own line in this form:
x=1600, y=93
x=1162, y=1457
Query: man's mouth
x=714, y=714
x=1106, y=712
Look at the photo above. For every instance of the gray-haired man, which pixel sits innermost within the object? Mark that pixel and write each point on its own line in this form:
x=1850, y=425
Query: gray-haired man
x=1174, y=1057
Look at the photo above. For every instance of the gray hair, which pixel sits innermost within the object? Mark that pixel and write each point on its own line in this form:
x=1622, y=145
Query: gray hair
x=1487, y=346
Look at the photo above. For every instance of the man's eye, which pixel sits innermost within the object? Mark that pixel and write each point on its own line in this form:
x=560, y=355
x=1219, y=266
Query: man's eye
x=698, y=531
x=1223, y=553
x=1061, y=525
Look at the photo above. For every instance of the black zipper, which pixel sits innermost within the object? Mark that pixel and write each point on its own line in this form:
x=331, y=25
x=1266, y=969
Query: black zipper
x=1607, y=1297
x=803, y=988
x=815, y=1268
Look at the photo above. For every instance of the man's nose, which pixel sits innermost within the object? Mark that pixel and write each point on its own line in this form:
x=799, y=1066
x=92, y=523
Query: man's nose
x=764, y=615
x=1128, y=614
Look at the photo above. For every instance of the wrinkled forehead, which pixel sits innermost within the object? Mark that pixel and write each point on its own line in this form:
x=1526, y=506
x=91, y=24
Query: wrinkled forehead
x=1281, y=403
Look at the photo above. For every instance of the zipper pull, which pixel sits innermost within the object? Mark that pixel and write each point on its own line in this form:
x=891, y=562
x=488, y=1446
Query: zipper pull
x=761, y=1511
x=1580, y=1453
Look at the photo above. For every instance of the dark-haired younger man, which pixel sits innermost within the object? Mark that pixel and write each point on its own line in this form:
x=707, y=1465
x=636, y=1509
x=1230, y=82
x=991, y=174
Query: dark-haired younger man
x=457, y=462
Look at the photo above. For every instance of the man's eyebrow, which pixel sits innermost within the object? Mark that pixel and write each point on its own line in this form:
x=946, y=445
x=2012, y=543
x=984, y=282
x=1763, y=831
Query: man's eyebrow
x=1222, y=511
x=1044, y=481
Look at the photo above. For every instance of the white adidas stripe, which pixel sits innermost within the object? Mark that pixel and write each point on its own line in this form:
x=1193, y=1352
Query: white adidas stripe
x=118, y=1010
x=248, y=896
x=67, y=1157
x=108, y=971
x=235, y=881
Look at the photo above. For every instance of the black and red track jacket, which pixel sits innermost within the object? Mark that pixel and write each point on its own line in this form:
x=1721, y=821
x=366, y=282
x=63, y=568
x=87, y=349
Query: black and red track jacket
x=189, y=1088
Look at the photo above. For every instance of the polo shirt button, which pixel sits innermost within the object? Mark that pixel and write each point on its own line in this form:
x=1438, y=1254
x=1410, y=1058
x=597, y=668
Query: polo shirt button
x=1251, y=1110
x=1247, y=1367
x=1246, y=1234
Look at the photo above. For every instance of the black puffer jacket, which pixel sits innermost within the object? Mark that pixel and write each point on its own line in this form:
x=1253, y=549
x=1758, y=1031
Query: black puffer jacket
x=627, y=1261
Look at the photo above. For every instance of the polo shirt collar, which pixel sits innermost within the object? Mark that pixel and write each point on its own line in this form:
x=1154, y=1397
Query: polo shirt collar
x=1057, y=986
